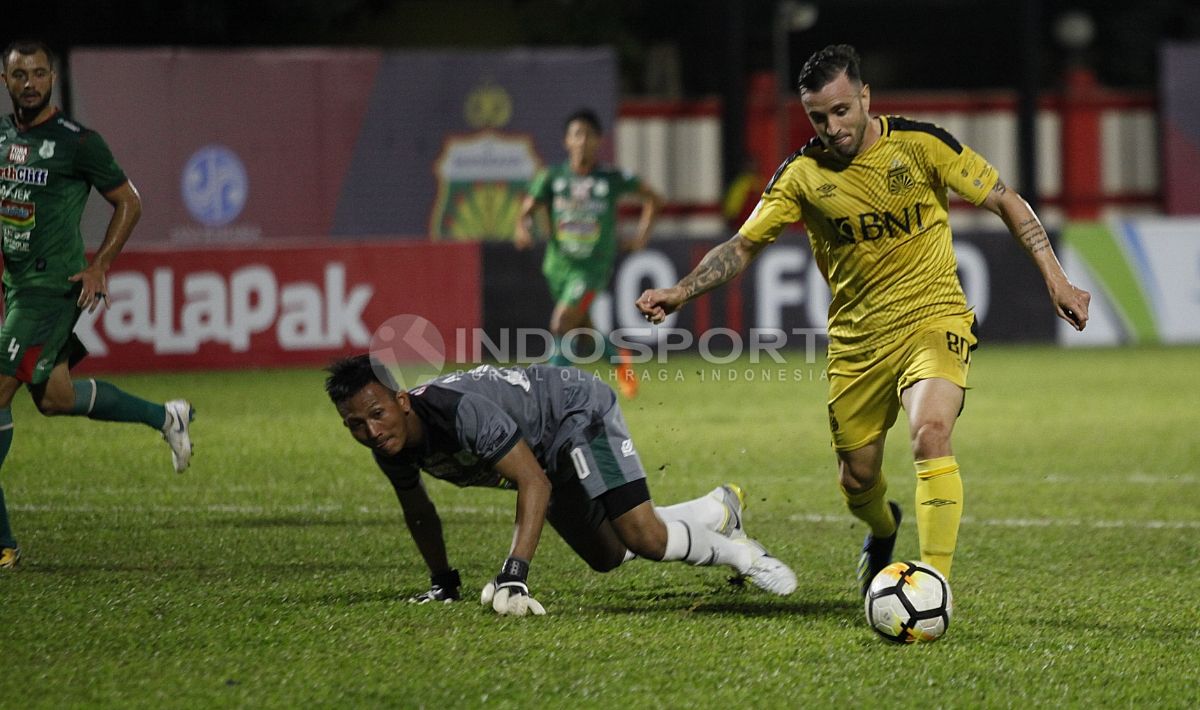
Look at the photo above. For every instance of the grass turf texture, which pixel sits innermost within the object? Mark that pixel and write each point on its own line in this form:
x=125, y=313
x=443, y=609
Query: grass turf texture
x=275, y=571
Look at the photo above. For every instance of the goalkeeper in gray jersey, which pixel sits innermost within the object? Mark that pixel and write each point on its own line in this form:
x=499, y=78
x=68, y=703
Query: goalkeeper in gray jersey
x=557, y=437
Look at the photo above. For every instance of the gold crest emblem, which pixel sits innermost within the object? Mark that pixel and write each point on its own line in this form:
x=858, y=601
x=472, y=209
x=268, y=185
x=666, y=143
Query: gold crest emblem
x=488, y=106
x=899, y=179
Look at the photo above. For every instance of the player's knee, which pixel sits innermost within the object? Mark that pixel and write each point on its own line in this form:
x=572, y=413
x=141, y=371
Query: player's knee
x=931, y=439
x=52, y=407
x=8, y=389
x=856, y=478
x=607, y=562
x=647, y=540
x=563, y=321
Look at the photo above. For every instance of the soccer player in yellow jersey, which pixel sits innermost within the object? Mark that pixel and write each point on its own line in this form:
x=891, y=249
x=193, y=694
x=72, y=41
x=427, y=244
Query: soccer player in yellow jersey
x=872, y=193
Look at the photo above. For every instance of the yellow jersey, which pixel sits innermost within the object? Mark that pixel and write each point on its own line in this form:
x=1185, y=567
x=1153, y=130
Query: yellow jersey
x=879, y=227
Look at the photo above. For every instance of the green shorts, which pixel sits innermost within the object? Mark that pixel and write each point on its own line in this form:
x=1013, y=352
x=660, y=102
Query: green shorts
x=571, y=287
x=38, y=333
x=575, y=282
x=864, y=396
x=597, y=475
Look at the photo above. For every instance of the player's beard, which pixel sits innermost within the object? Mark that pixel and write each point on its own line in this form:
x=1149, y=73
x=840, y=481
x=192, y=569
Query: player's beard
x=851, y=149
x=26, y=114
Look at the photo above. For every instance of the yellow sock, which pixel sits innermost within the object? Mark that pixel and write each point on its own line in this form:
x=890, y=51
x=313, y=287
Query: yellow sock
x=939, y=510
x=870, y=506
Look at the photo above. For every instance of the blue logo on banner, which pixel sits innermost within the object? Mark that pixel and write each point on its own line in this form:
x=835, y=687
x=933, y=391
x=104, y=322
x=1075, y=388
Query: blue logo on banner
x=214, y=185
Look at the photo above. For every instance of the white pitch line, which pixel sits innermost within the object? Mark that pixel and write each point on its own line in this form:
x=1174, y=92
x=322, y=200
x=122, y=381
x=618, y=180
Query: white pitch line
x=1033, y=522
x=1136, y=478
x=504, y=511
x=247, y=509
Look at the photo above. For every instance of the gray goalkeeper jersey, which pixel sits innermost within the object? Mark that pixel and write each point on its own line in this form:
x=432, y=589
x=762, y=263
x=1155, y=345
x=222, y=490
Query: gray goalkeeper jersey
x=473, y=418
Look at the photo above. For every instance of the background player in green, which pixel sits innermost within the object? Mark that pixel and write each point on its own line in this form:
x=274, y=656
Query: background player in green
x=48, y=166
x=581, y=197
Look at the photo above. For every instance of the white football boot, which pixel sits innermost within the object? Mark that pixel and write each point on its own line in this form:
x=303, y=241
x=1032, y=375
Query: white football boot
x=767, y=572
x=733, y=499
x=175, y=432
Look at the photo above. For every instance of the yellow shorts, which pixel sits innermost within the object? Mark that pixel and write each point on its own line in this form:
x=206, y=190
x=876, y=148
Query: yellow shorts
x=864, y=395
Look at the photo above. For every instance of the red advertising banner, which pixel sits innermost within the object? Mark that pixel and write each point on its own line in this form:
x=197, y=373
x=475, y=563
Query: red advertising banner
x=229, y=147
x=235, y=308
x=246, y=146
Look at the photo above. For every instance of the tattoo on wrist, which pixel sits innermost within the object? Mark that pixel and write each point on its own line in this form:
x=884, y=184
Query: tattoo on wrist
x=1032, y=236
x=717, y=267
x=1000, y=187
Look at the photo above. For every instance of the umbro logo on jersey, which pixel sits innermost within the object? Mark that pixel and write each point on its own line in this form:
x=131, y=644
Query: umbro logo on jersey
x=627, y=448
x=827, y=189
x=938, y=502
x=18, y=153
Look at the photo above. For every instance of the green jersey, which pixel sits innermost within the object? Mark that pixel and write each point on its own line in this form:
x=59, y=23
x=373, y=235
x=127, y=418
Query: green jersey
x=46, y=174
x=583, y=213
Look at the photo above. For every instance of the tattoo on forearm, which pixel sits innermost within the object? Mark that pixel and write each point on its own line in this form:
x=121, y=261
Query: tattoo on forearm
x=1032, y=236
x=718, y=266
x=1000, y=187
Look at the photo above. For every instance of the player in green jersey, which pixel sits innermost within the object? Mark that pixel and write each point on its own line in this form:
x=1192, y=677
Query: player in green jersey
x=581, y=198
x=48, y=166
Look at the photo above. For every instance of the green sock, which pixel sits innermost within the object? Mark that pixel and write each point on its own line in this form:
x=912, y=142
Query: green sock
x=558, y=357
x=104, y=402
x=611, y=355
x=6, y=437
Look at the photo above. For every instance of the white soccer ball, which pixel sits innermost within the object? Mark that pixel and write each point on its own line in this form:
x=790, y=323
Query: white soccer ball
x=909, y=602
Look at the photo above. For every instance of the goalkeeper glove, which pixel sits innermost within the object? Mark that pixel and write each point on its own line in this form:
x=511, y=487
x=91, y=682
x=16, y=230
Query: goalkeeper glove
x=443, y=587
x=508, y=593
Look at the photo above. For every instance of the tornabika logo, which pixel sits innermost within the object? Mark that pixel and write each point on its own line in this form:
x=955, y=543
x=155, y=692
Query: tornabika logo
x=18, y=153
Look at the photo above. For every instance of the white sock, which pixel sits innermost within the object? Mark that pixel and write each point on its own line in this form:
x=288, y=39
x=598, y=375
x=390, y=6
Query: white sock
x=703, y=512
x=703, y=547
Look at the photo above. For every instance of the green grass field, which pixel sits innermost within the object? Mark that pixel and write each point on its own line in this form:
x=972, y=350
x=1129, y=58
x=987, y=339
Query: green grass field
x=274, y=572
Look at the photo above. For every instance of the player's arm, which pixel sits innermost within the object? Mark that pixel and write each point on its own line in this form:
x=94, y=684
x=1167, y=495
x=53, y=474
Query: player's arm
x=425, y=527
x=536, y=200
x=127, y=209
x=508, y=593
x=533, y=497
x=720, y=265
x=522, y=236
x=652, y=203
x=1070, y=302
